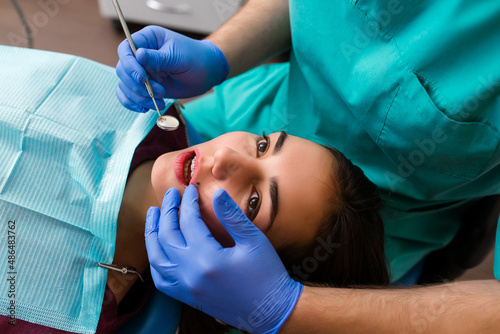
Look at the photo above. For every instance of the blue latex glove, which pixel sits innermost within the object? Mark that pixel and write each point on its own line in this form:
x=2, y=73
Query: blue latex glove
x=178, y=67
x=245, y=286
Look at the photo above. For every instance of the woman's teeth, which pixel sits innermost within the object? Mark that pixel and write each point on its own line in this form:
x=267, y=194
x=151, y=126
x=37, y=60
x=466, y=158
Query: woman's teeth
x=189, y=169
x=192, y=166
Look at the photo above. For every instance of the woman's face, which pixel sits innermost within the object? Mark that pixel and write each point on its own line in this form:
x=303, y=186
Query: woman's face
x=281, y=182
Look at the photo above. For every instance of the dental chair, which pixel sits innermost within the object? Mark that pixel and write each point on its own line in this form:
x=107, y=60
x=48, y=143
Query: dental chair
x=160, y=315
x=469, y=247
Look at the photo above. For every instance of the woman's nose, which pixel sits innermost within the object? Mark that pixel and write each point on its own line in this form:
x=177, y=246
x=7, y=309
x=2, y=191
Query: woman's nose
x=229, y=163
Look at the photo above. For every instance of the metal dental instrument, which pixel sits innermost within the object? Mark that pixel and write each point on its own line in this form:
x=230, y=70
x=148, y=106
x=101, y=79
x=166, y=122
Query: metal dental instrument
x=167, y=123
x=122, y=269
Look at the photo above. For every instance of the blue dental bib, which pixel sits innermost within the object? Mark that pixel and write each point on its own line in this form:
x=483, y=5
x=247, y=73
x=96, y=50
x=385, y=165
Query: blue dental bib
x=65, y=149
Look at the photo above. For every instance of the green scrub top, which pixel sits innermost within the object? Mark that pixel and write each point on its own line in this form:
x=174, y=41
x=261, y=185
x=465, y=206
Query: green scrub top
x=409, y=91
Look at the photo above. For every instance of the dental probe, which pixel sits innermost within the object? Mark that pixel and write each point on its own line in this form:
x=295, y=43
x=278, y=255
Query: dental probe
x=167, y=123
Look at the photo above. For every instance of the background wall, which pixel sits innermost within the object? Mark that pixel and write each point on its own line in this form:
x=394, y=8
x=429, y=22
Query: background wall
x=76, y=27
x=67, y=26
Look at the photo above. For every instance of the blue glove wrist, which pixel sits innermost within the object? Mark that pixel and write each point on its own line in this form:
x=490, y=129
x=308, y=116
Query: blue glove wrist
x=221, y=60
x=246, y=286
x=271, y=314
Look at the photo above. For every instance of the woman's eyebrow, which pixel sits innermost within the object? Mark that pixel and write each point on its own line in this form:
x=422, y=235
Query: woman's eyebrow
x=273, y=189
x=279, y=143
x=273, y=193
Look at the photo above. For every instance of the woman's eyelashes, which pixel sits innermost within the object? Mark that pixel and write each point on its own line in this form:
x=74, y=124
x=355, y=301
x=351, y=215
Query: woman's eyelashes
x=262, y=145
x=253, y=204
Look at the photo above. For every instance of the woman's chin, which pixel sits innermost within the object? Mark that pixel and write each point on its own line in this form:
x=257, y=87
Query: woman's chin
x=215, y=227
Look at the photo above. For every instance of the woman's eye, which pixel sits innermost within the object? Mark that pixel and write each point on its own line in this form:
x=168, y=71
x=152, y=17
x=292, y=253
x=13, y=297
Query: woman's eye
x=262, y=145
x=253, y=205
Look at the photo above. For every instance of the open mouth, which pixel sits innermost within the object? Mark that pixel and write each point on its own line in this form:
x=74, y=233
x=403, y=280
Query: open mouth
x=186, y=166
x=189, y=169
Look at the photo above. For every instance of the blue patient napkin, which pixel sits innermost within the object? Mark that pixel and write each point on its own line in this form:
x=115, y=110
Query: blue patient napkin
x=65, y=149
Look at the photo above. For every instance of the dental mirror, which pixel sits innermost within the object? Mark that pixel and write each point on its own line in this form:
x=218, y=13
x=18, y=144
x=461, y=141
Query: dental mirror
x=167, y=122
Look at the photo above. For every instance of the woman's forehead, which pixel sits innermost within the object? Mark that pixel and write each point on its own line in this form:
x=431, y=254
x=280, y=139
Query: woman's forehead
x=305, y=190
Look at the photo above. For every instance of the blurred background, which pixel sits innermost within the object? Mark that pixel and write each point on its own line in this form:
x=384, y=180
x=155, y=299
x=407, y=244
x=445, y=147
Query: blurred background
x=88, y=28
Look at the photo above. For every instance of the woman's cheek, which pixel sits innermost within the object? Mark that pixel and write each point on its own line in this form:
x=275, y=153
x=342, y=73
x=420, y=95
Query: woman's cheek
x=163, y=176
x=218, y=231
x=158, y=178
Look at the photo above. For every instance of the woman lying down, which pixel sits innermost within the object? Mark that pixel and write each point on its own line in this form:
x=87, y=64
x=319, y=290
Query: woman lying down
x=300, y=194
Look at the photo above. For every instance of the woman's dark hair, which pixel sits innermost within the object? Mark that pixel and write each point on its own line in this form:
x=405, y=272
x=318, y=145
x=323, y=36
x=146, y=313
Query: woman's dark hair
x=348, y=250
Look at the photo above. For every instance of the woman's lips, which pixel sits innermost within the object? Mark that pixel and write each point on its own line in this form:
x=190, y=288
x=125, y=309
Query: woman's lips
x=179, y=164
x=180, y=167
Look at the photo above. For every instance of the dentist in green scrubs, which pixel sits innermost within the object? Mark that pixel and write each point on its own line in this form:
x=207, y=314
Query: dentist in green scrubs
x=409, y=91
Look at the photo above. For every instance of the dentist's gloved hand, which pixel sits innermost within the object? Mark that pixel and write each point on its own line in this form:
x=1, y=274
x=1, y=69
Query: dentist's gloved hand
x=245, y=286
x=178, y=67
